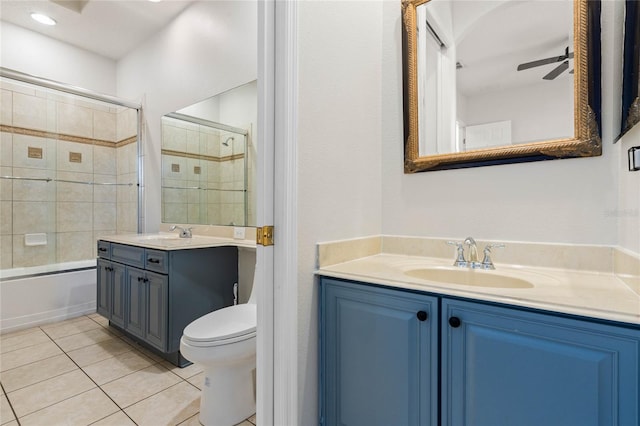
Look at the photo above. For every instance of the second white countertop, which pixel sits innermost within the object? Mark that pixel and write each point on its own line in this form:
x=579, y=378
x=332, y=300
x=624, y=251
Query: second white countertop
x=591, y=294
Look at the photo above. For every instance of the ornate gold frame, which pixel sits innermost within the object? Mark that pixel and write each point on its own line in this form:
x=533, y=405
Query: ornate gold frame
x=587, y=141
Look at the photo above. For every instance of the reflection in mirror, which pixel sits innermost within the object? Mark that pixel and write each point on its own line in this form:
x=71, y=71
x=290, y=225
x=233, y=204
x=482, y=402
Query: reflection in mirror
x=499, y=81
x=208, y=160
x=486, y=68
x=631, y=70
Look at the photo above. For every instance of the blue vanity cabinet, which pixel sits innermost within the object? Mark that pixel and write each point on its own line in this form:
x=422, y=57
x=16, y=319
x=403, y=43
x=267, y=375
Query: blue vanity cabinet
x=378, y=356
x=503, y=366
x=151, y=295
x=111, y=286
x=136, y=300
x=157, y=287
x=470, y=363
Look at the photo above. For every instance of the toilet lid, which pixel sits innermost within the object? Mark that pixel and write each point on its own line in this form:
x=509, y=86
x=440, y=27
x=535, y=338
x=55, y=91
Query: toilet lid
x=226, y=323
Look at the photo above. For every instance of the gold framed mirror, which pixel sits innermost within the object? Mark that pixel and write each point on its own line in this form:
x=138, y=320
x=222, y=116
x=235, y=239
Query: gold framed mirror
x=483, y=82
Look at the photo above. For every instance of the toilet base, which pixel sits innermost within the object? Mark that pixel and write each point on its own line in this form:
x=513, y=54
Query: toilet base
x=228, y=394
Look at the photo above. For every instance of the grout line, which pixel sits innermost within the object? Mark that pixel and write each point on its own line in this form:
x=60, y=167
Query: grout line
x=94, y=382
x=15, y=416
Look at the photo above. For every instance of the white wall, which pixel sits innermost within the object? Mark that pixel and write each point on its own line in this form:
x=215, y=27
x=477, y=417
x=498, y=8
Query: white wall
x=210, y=48
x=550, y=101
x=628, y=211
x=339, y=112
x=33, y=53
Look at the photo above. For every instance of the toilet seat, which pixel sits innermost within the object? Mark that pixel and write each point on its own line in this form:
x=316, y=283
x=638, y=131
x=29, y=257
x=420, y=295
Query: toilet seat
x=222, y=327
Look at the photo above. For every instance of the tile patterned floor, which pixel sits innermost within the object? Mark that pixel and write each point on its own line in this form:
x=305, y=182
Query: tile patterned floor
x=82, y=372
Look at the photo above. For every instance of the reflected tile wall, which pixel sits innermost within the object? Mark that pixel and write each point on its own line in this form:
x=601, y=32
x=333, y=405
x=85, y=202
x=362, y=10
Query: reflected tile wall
x=219, y=174
x=71, y=214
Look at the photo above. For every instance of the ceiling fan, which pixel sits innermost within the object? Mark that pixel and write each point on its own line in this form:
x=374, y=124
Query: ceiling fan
x=554, y=72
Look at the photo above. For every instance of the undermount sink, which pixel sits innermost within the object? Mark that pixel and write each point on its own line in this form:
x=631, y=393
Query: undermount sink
x=470, y=277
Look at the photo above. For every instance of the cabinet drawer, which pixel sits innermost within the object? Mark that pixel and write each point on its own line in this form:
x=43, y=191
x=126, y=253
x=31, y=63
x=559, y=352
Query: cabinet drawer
x=104, y=249
x=129, y=255
x=157, y=261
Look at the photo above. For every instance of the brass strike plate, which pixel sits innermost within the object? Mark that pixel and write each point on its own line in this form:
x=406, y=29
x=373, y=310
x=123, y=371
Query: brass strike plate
x=75, y=157
x=33, y=152
x=175, y=168
x=264, y=236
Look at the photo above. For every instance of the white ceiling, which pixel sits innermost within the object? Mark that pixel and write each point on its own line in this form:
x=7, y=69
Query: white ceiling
x=493, y=43
x=111, y=28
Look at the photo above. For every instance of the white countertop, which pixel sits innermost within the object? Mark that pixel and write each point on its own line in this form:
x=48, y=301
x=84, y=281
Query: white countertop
x=171, y=241
x=590, y=294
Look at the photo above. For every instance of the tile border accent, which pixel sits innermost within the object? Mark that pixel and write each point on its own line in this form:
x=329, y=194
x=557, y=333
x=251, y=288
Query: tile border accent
x=200, y=156
x=67, y=138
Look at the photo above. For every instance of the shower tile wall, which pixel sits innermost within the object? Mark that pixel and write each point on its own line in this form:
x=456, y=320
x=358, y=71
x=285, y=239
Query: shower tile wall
x=194, y=156
x=72, y=215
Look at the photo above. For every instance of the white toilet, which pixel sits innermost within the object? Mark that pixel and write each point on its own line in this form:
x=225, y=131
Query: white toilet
x=223, y=342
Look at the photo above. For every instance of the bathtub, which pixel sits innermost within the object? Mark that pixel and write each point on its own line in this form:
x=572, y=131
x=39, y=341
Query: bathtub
x=43, y=294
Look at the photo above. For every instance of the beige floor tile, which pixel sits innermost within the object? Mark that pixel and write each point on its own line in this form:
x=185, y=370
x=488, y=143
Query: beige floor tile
x=28, y=355
x=11, y=423
x=35, y=372
x=113, y=368
x=23, y=340
x=81, y=409
x=146, y=352
x=192, y=421
x=69, y=327
x=184, y=372
x=101, y=320
x=139, y=385
x=19, y=332
x=197, y=380
x=36, y=397
x=252, y=419
x=85, y=338
x=117, y=419
x=101, y=351
x=6, y=414
x=245, y=423
x=168, y=407
x=94, y=315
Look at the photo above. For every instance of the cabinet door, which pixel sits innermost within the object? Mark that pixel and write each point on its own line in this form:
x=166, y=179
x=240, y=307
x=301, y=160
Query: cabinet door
x=378, y=359
x=507, y=367
x=135, y=301
x=118, y=294
x=104, y=284
x=157, y=305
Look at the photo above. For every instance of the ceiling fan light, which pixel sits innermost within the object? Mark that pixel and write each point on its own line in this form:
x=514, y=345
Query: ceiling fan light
x=43, y=19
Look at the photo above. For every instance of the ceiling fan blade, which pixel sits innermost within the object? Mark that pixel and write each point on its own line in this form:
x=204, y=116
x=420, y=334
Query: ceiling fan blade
x=540, y=62
x=557, y=71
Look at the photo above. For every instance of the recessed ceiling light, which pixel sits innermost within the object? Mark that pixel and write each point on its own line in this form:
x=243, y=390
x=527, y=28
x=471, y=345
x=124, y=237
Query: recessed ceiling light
x=43, y=19
x=155, y=1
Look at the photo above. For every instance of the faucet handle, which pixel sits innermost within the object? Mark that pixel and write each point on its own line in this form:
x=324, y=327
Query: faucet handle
x=460, y=260
x=487, y=263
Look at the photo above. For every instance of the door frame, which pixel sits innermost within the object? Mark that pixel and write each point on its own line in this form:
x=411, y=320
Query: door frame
x=277, y=378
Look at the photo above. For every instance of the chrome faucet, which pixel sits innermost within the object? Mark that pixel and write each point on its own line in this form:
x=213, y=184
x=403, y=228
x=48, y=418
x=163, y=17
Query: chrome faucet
x=487, y=263
x=460, y=260
x=473, y=252
x=184, y=232
x=473, y=262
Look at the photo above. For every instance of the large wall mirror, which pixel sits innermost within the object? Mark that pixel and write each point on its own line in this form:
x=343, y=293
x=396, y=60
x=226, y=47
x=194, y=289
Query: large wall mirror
x=208, y=160
x=499, y=81
x=631, y=69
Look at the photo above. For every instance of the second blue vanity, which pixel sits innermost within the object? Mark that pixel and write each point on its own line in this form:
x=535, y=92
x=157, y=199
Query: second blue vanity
x=392, y=356
x=151, y=287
